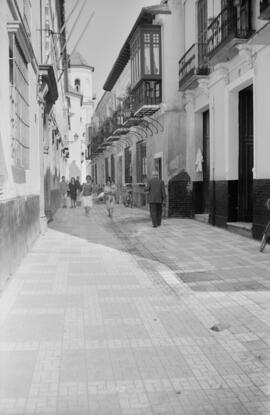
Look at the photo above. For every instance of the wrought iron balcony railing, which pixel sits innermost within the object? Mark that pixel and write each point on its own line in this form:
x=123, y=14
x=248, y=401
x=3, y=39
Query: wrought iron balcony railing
x=146, y=97
x=193, y=64
x=265, y=10
x=233, y=22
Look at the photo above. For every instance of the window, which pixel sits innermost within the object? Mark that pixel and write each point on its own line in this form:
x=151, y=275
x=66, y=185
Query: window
x=158, y=166
x=147, y=56
x=141, y=162
x=135, y=59
x=95, y=173
x=112, y=168
x=19, y=104
x=156, y=57
x=106, y=169
x=77, y=84
x=27, y=18
x=202, y=21
x=145, y=53
x=128, y=166
x=151, y=53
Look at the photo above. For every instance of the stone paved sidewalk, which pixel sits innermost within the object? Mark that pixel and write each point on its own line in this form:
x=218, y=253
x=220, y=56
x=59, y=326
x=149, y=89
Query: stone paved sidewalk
x=113, y=317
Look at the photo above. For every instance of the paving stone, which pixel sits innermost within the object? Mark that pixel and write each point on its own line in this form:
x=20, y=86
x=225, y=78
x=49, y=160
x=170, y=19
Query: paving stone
x=113, y=318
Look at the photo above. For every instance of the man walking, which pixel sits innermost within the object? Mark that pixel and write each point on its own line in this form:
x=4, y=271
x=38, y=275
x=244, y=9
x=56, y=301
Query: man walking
x=63, y=192
x=156, y=198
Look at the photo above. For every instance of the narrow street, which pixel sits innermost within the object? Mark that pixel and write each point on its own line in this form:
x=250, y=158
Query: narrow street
x=114, y=317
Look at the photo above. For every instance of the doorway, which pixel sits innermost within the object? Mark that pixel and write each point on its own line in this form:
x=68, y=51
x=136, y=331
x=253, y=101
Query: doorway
x=206, y=161
x=158, y=166
x=245, y=181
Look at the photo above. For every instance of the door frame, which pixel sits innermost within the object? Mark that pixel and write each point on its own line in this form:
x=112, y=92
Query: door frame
x=232, y=127
x=243, y=192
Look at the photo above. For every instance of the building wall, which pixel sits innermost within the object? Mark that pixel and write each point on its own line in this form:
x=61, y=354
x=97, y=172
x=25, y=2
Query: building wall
x=219, y=92
x=21, y=189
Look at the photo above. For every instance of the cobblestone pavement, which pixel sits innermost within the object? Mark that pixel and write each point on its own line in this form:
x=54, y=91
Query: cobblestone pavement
x=114, y=317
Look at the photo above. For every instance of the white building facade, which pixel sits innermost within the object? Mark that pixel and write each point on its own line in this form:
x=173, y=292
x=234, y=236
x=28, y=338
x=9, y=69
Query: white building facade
x=81, y=107
x=143, y=132
x=197, y=109
x=224, y=76
x=33, y=123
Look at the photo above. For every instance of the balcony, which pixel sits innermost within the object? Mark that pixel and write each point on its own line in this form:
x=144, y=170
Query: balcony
x=146, y=98
x=231, y=27
x=192, y=66
x=264, y=10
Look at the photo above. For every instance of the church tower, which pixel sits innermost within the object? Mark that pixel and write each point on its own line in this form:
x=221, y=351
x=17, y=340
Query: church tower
x=81, y=107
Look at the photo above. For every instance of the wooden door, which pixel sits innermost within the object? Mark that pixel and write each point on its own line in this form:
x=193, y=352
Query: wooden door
x=206, y=161
x=245, y=155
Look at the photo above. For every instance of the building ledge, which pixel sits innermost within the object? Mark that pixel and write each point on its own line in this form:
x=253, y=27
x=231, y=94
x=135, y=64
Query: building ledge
x=147, y=110
x=121, y=131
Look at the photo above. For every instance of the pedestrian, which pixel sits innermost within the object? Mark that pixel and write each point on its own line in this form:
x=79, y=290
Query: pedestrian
x=72, y=192
x=79, y=189
x=63, y=187
x=109, y=193
x=156, y=198
x=87, y=190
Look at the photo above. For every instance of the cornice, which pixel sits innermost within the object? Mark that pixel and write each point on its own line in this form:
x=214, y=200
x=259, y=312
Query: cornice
x=16, y=27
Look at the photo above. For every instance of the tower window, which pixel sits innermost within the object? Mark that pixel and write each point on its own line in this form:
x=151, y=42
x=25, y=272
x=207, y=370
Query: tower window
x=77, y=84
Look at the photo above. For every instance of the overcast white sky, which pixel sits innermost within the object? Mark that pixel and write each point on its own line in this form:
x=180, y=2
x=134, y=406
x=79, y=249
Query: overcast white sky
x=106, y=33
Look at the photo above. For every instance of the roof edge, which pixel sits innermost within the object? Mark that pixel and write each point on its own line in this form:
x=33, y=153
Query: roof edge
x=147, y=14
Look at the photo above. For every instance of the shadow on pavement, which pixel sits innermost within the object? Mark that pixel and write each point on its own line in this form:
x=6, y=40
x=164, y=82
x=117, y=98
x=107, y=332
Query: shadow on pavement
x=204, y=258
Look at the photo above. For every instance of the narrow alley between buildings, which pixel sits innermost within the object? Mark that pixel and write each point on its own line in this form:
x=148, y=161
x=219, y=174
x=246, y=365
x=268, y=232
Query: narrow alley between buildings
x=114, y=317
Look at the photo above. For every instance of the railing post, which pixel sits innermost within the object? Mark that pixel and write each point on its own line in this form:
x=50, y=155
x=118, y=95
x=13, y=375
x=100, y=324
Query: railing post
x=196, y=51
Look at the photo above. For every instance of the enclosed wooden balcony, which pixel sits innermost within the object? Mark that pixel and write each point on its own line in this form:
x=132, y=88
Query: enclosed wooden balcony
x=192, y=66
x=147, y=98
x=264, y=10
x=231, y=27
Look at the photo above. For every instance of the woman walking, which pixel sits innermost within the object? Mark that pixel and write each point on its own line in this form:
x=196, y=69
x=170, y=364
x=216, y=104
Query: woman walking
x=109, y=192
x=87, y=191
x=73, y=192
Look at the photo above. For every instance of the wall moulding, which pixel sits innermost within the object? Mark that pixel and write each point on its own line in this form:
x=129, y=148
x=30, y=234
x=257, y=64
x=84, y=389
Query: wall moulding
x=246, y=53
x=219, y=73
x=16, y=28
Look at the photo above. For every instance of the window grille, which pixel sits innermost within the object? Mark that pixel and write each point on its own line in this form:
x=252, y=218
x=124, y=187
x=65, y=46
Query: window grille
x=141, y=162
x=106, y=169
x=112, y=168
x=19, y=105
x=77, y=84
x=128, y=166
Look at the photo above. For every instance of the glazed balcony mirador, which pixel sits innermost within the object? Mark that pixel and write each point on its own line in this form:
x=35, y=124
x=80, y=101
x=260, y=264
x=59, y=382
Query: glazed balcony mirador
x=231, y=27
x=147, y=98
x=192, y=66
x=264, y=10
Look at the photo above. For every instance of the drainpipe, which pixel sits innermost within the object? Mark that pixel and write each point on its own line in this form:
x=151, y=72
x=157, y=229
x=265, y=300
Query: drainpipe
x=213, y=163
x=42, y=91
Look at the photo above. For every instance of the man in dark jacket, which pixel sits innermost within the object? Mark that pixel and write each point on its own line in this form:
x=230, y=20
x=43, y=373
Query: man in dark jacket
x=156, y=198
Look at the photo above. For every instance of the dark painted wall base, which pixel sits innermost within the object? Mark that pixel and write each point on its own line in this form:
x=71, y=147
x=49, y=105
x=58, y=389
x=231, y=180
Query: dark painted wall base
x=222, y=201
x=19, y=227
x=180, y=196
x=261, y=192
x=197, y=197
x=223, y=206
x=52, y=204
